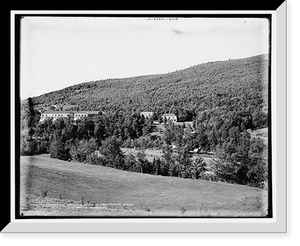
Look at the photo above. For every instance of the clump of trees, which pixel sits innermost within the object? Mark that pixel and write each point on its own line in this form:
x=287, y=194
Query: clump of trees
x=63, y=137
x=239, y=157
x=240, y=161
x=83, y=150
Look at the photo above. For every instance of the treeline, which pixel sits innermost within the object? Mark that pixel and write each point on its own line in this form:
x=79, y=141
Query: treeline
x=98, y=140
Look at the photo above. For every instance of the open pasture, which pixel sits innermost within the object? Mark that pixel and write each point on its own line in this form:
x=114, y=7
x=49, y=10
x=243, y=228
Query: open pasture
x=58, y=188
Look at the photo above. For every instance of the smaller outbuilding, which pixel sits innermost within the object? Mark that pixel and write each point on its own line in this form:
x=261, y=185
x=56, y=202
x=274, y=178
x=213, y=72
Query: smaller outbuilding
x=147, y=114
x=169, y=117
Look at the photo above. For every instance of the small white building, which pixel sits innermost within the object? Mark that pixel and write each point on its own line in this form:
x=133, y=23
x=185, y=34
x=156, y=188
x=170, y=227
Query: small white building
x=147, y=114
x=169, y=117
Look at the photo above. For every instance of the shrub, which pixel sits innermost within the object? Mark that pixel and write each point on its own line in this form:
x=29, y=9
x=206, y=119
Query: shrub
x=96, y=159
x=226, y=171
x=198, y=167
x=112, y=153
x=257, y=173
x=42, y=147
x=82, y=150
x=252, y=172
x=28, y=147
x=130, y=163
x=128, y=143
x=58, y=150
x=143, y=165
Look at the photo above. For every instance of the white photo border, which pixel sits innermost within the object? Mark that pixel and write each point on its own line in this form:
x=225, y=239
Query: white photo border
x=278, y=223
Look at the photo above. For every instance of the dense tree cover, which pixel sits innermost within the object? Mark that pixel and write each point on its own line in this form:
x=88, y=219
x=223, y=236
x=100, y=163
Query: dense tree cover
x=235, y=85
x=83, y=150
x=98, y=128
x=239, y=157
x=223, y=99
x=29, y=118
x=177, y=161
x=240, y=161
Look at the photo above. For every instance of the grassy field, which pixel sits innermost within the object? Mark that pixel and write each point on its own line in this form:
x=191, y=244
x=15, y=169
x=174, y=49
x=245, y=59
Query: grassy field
x=77, y=189
x=157, y=153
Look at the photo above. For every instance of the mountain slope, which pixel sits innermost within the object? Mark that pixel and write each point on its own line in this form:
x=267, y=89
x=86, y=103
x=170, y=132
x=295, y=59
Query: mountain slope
x=238, y=83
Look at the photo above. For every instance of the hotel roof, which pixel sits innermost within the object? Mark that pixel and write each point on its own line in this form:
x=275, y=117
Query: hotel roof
x=169, y=115
x=69, y=112
x=56, y=112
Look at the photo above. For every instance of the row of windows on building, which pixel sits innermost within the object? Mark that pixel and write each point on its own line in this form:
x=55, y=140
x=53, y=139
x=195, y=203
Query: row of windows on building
x=59, y=115
x=171, y=117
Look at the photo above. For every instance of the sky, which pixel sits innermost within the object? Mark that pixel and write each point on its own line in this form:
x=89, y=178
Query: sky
x=57, y=52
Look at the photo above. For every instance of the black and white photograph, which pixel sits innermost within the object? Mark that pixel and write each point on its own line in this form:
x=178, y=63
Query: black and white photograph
x=146, y=116
x=149, y=121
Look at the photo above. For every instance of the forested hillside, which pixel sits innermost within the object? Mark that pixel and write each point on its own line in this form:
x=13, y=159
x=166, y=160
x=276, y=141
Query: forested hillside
x=226, y=101
x=232, y=85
